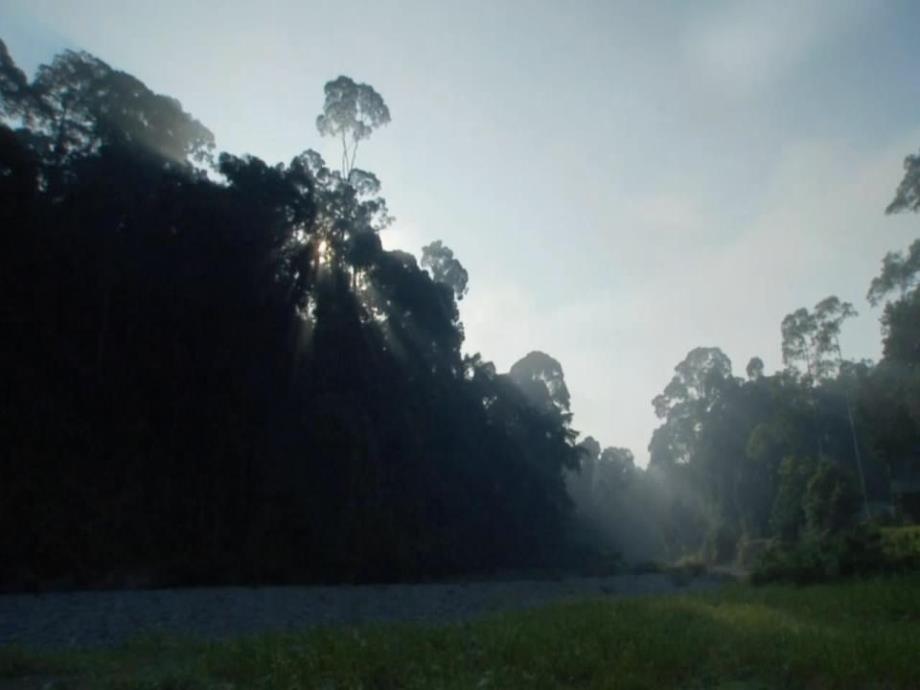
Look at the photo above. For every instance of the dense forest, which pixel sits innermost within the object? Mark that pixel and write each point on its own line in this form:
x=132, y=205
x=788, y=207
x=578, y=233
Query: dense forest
x=215, y=373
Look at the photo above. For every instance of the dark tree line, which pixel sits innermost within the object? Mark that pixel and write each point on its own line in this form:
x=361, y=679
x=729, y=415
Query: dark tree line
x=213, y=372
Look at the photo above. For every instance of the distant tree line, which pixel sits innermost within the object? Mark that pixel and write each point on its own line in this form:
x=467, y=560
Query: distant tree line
x=812, y=451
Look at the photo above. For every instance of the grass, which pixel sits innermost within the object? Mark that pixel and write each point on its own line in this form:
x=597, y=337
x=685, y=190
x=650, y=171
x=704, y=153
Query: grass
x=854, y=634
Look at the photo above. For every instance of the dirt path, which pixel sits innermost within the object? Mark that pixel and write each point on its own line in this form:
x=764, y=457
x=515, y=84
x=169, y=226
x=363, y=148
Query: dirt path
x=85, y=619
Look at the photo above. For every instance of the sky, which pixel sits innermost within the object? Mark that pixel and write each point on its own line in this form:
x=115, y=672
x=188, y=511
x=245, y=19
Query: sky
x=623, y=181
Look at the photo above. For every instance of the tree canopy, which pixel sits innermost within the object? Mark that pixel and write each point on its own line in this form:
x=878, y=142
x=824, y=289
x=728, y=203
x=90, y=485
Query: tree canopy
x=215, y=373
x=233, y=365
x=351, y=112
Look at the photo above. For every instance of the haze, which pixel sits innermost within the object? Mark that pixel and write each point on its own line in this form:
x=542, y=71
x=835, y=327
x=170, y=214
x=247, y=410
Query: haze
x=622, y=182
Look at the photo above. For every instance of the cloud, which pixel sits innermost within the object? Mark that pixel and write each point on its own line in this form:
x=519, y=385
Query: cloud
x=696, y=279
x=745, y=47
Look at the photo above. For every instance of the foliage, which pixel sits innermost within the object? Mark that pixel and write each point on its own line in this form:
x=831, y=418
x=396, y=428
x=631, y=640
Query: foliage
x=439, y=260
x=901, y=546
x=817, y=557
x=225, y=377
x=810, y=339
x=907, y=196
x=787, y=519
x=900, y=273
x=831, y=501
x=351, y=112
x=218, y=374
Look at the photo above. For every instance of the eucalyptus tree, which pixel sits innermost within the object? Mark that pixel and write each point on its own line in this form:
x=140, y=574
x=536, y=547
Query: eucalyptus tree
x=811, y=347
x=811, y=339
x=351, y=112
x=444, y=268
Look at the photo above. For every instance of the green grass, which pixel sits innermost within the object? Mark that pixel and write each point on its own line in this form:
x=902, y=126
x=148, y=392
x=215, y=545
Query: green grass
x=855, y=634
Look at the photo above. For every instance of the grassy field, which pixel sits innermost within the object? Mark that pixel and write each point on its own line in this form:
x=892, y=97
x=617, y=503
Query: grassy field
x=857, y=634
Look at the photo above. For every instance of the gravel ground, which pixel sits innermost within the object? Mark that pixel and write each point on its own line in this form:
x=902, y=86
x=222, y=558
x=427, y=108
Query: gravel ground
x=88, y=619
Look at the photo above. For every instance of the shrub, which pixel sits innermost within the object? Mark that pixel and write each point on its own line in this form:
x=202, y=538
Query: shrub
x=831, y=499
x=901, y=547
x=817, y=558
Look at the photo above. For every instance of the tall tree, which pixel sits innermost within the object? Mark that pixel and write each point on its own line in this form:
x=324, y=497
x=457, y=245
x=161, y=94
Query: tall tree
x=811, y=346
x=445, y=268
x=811, y=343
x=351, y=112
x=542, y=381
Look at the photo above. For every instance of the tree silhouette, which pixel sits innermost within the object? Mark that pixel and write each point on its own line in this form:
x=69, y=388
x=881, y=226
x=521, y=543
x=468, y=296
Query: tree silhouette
x=351, y=112
x=229, y=379
x=811, y=339
x=907, y=196
x=439, y=260
x=900, y=273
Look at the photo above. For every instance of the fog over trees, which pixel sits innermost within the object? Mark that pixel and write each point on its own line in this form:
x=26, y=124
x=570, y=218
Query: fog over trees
x=215, y=373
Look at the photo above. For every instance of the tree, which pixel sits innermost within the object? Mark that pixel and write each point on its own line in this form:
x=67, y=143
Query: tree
x=582, y=484
x=830, y=500
x=811, y=342
x=351, y=113
x=907, y=196
x=261, y=416
x=82, y=104
x=699, y=378
x=754, y=369
x=540, y=378
x=900, y=273
x=615, y=468
x=811, y=345
x=444, y=268
x=693, y=391
x=901, y=330
x=787, y=519
x=15, y=94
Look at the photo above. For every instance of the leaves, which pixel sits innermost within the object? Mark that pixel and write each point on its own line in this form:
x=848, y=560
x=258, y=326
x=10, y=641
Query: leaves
x=900, y=273
x=439, y=260
x=351, y=111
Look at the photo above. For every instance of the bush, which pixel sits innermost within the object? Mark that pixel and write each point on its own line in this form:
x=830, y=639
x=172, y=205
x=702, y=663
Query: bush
x=831, y=499
x=901, y=547
x=820, y=558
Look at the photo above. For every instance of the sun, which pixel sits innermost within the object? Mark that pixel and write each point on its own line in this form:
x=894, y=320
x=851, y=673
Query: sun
x=322, y=252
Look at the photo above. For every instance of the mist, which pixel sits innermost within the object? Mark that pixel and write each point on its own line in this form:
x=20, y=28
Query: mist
x=539, y=304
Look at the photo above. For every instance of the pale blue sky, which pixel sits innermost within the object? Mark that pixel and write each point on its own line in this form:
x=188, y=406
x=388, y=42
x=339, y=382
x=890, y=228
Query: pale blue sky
x=623, y=181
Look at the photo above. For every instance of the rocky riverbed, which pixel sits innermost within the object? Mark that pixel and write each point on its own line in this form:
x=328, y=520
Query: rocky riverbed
x=92, y=619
